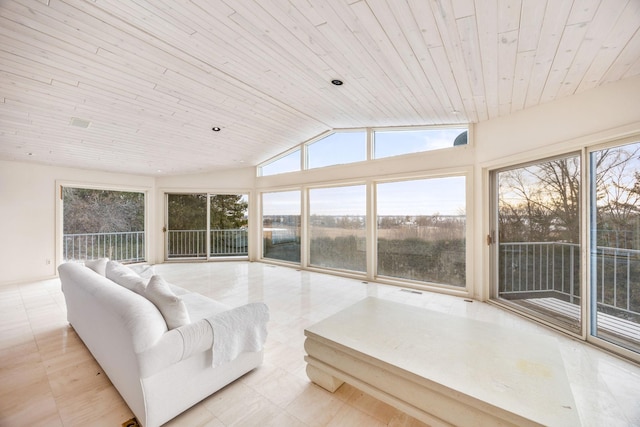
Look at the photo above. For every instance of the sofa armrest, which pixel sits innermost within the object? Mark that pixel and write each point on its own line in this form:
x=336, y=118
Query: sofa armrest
x=176, y=345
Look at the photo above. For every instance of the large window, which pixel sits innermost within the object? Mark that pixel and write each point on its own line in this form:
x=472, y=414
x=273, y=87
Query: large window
x=615, y=245
x=281, y=226
x=421, y=226
x=205, y=225
x=337, y=227
x=103, y=223
x=539, y=239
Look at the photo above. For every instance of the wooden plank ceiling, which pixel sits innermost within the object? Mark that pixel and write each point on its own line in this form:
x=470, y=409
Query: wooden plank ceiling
x=154, y=76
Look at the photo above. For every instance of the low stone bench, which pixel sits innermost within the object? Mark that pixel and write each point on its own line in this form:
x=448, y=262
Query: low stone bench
x=442, y=369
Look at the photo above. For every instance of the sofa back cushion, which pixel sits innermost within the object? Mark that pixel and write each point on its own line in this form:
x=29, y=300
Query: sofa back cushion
x=171, y=306
x=124, y=276
x=98, y=265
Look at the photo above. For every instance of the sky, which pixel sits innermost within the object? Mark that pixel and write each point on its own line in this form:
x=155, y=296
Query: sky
x=442, y=196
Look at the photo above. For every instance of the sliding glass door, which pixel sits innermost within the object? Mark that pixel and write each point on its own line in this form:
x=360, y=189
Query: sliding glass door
x=541, y=210
x=205, y=226
x=615, y=245
x=538, y=239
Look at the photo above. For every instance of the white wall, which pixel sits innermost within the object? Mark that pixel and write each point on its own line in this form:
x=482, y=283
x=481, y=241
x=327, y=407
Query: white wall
x=28, y=215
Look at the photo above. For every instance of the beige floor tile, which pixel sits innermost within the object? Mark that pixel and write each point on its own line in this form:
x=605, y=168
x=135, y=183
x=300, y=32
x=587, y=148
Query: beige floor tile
x=94, y=407
x=29, y=404
x=367, y=404
x=276, y=384
x=196, y=416
x=315, y=406
x=349, y=416
x=83, y=377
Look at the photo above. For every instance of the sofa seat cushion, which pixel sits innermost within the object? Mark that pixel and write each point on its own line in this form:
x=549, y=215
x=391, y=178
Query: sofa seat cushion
x=201, y=307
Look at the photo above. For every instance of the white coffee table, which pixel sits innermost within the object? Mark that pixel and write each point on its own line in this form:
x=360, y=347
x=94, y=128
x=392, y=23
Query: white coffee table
x=442, y=369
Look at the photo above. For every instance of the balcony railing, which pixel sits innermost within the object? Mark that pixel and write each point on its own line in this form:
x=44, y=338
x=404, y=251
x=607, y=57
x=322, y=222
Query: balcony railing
x=549, y=269
x=192, y=243
x=124, y=246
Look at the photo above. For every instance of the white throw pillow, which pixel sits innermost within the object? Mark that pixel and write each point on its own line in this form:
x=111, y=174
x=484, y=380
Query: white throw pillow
x=124, y=276
x=98, y=265
x=143, y=270
x=170, y=305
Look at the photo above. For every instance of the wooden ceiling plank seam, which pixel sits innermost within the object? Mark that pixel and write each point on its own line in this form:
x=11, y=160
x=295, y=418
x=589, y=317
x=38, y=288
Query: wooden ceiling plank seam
x=447, y=28
x=507, y=58
x=469, y=43
x=447, y=95
x=556, y=15
x=421, y=89
x=509, y=13
x=426, y=23
x=602, y=23
x=159, y=9
x=73, y=63
x=150, y=45
x=265, y=94
x=583, y=11
x=45, y=25
x=355, y=27
x=362, y=52
x=76, y=23
x=418, y=58
x=463, y=8
x=531, y=21
x=622, y=32
x=623, y=66
x=559, y=74
x=495, y=67
x=407, y=21
x=525, y=61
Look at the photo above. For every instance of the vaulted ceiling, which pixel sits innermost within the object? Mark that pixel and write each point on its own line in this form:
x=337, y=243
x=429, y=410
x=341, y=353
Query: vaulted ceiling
x=136, y=86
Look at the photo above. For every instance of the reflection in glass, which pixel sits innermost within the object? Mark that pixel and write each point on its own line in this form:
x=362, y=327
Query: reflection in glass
x=397, y=142
x=337, y=149
x=337, y=227
x=288, y=163
x=281, y=226
x=615, y=245
x=539, y=239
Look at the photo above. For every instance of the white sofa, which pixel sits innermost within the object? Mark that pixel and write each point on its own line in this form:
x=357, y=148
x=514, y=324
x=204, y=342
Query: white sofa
x=160, y=372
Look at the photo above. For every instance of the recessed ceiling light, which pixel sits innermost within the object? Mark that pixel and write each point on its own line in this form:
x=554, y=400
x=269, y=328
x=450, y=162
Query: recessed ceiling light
x=215, y=129
x=337, y=82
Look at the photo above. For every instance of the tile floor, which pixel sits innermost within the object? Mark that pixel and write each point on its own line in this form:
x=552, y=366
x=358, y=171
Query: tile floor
x=48, y=378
